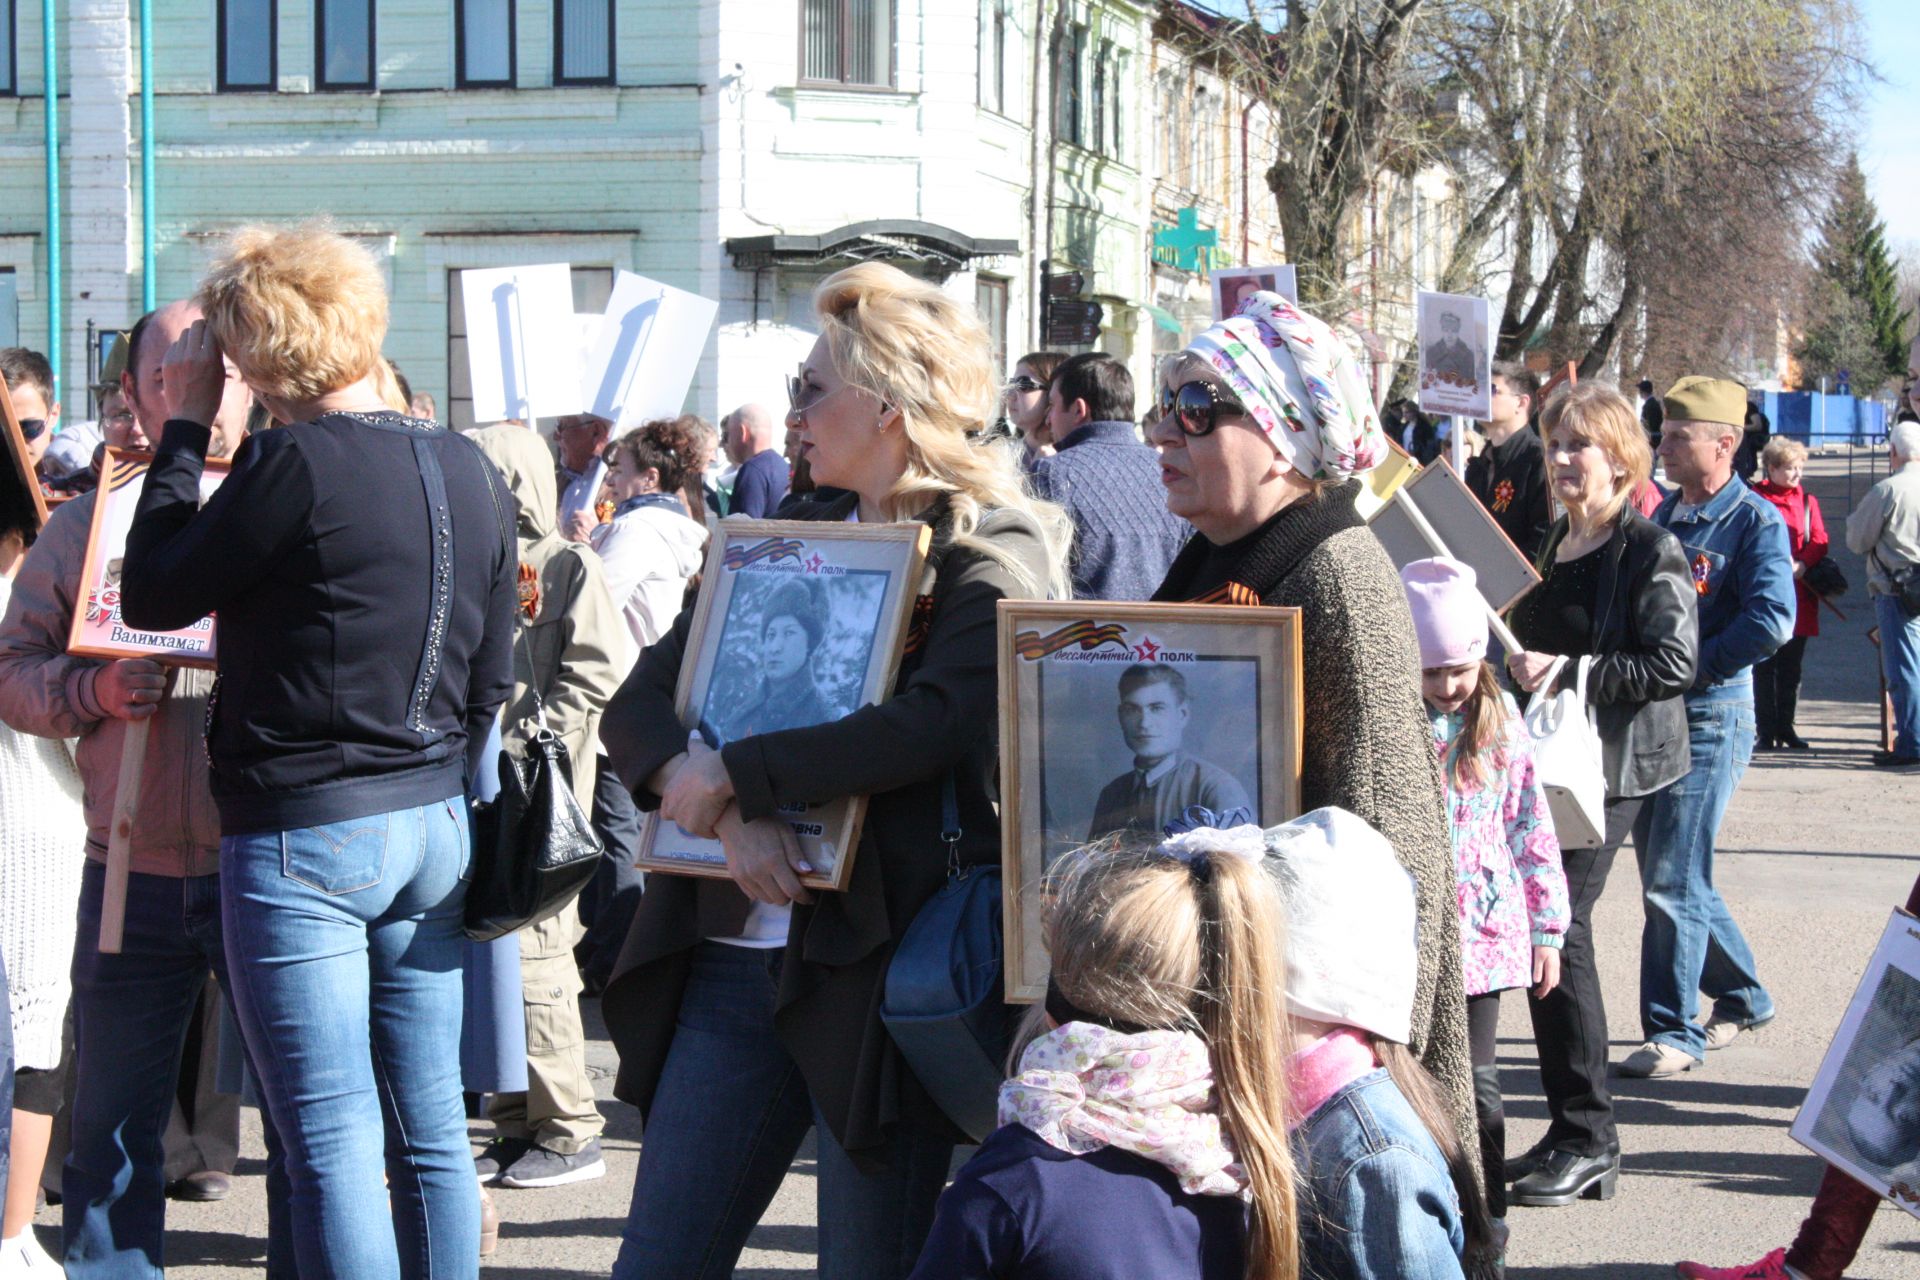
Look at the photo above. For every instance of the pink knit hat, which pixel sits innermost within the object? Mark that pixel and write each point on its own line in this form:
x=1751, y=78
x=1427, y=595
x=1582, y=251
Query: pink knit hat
x=1449, y=615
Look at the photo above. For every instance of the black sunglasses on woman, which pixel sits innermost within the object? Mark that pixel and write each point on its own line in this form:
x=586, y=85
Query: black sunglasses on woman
x=1196, y=406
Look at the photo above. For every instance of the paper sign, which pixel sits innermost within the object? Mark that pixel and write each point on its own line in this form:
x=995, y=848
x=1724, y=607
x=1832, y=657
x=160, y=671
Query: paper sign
x=98, y=631
x=523, y=350
x=1232, y=285
x=649, y=344
x=1456, y=360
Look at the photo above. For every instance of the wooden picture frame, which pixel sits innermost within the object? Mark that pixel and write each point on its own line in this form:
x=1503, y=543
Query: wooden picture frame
x=19, y=476
x=859, y=583
x=97, y=631
x=1071, y=736
x=1470, y=533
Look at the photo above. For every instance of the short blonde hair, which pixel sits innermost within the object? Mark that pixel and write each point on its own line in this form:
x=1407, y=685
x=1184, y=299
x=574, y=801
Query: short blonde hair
x=1603, y=416
x=927, y=355
x=1782, y=452
x=300, y=310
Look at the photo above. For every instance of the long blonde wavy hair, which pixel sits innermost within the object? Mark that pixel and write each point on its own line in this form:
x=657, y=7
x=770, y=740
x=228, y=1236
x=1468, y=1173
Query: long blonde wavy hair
x=928, y=356
x=1145, y=939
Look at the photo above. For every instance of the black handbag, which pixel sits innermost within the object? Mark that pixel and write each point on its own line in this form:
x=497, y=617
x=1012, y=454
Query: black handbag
x=945, y=1004
x=1906, y=586
x=1826, y=580
x=533, y=847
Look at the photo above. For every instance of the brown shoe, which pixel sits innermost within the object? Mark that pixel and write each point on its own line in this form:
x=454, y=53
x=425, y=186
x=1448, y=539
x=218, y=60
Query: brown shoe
x=489, y=1223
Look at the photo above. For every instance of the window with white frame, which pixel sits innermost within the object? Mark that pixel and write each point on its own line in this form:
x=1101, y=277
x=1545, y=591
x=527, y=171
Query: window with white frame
x=847, y=42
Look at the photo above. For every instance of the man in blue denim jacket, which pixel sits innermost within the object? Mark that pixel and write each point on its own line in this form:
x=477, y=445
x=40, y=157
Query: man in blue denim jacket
x=1736, y=545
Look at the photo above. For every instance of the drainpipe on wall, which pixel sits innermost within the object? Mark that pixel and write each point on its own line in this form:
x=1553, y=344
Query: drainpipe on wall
x=50, y=76
x=1039, y=226
x=148, y=285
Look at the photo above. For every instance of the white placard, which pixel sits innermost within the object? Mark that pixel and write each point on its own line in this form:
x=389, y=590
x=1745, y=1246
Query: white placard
x=523, y=349
x=1456, y=359
x=1232, y=284
x=649, y=344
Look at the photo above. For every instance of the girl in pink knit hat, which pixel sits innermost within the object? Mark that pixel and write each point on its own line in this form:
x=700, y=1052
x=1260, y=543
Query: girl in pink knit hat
x=1512, y=891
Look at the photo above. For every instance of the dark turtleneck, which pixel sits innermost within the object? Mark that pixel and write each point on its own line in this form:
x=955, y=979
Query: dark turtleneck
x=1259, y=560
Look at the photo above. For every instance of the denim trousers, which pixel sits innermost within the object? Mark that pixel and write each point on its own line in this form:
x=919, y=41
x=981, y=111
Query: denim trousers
x=345, y=944
x=131, y=1016
x=727, y=1120
x=1689, y=943
x=1900, y=659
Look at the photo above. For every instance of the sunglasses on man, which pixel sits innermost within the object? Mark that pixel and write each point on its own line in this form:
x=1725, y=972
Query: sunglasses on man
x=33, y=428
x=1196, y=407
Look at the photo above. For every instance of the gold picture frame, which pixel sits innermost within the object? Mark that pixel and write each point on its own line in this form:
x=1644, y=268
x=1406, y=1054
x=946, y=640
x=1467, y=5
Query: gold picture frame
x=1097, y=705
x=850, y=589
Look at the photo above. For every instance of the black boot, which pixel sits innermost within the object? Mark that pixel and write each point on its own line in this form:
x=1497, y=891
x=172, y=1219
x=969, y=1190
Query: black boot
x=1566, y=1176
x=1788, y=702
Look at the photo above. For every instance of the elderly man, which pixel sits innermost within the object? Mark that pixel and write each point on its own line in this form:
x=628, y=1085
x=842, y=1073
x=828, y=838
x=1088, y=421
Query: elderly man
x=1736, y=546
x=1885, y=528
x=761, y=482
x=131, y=1010
x=582, y=438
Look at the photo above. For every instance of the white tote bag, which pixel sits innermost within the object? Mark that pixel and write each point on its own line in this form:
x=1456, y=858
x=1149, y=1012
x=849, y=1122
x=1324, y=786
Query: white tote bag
x=1567, y=759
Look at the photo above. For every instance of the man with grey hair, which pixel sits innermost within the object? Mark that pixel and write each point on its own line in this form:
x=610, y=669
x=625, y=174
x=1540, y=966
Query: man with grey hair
x=761, y=481
x=1885, y=528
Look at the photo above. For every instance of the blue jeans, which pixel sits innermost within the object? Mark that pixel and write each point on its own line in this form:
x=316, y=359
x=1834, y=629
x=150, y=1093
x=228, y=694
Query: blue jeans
x=1900, y=658
x=1690, y=943
x=345, y=942
x=130, y=1017
x=727, y=1120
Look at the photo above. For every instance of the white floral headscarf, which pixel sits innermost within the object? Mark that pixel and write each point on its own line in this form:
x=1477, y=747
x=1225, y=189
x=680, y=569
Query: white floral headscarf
x=1300, y=385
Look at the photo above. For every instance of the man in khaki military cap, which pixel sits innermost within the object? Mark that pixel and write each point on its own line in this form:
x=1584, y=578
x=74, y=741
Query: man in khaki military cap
x=1736, y=545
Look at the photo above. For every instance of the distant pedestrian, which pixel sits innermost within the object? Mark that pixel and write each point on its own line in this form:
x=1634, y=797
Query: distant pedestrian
x=581, y=439
x=1885, y=528
x=1652, y=414
x=1510, y=476
x=1124, y=538
x=1025, y=398
x=760, y=483
x=1776, y=680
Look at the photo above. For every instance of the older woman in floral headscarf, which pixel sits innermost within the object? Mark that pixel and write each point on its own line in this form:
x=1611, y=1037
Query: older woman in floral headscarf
x=1263, y=423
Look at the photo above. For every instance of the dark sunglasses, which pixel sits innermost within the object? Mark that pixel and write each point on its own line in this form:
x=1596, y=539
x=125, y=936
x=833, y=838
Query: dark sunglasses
x=33, y=428
x=1024, y=383
x=1196, y=406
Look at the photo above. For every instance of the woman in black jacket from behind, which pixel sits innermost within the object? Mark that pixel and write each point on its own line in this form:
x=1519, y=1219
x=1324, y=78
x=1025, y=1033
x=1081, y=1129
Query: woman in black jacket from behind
x=1616, y=588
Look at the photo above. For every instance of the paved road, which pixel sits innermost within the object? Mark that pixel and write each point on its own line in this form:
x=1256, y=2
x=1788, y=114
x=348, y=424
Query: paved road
x=1813, y=853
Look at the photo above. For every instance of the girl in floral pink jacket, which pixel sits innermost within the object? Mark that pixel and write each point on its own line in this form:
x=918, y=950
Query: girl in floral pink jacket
x=1513, y=893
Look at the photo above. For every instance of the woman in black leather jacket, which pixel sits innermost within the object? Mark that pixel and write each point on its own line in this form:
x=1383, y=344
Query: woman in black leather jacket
x=1615, y=587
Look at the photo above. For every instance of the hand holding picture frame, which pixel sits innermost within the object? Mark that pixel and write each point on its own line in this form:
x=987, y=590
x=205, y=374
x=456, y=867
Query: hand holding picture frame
x=1116, y=719
x=798, y=623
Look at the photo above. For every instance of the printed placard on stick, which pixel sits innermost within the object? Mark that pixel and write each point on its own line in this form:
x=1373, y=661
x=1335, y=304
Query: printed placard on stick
x=1456, y=357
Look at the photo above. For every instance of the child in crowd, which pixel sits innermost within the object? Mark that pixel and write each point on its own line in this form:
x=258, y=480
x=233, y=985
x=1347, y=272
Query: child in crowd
x=1145, y=1132
x=1513, y=893
x=1386, y=1192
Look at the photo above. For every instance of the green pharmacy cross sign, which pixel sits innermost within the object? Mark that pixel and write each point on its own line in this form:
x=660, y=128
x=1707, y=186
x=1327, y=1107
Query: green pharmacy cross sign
x=1186, y=242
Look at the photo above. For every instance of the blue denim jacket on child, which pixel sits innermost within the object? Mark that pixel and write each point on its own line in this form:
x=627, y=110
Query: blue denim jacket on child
x=1377, y=1202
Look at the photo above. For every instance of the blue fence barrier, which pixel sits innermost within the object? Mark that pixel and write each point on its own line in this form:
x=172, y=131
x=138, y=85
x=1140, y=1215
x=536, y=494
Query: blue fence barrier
x=1815, y=419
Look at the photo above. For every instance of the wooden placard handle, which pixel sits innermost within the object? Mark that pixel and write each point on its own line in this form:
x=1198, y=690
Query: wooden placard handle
x=126, y=802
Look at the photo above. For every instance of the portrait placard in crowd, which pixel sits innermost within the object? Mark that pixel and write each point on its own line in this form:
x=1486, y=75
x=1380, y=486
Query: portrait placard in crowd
x=1456, y=359
x=1466, y=531
x=797, y=624
x=1862, y=1114
x=1125, y=720
x=1234, y=285
x=98, y=631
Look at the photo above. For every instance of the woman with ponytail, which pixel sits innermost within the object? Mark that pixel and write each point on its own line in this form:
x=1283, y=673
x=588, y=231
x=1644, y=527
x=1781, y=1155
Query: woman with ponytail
x=1145, y=1133
x=746, y=1010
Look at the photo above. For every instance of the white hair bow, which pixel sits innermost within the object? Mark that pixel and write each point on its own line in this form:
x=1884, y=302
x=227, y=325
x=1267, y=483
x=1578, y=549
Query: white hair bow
x=1246, y=842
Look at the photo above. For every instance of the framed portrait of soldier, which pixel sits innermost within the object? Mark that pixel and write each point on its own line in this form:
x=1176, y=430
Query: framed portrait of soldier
x=1862, y=1114
x=1232, y=286
x=98, y=629
x=1456, y=357
x=797, y=624
x=1121, y=722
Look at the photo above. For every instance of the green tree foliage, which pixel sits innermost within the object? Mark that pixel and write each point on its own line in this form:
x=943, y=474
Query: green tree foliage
x=1857, y=322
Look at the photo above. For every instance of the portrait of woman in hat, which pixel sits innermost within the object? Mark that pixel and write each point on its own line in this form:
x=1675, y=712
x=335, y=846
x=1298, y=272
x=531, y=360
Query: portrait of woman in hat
x=792, y=623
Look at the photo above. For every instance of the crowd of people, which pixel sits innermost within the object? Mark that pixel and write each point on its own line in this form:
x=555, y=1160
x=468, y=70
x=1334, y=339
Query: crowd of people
x=1265, y=1053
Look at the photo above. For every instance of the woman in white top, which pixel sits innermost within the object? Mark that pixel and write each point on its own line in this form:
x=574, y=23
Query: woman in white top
x=651, y=547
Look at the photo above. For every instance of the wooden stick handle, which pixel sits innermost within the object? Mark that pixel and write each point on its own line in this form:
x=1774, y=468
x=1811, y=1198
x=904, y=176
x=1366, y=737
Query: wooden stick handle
x=126, y=801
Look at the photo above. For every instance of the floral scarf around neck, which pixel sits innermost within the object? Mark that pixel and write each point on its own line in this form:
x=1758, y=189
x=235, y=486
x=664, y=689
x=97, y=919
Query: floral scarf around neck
x=1082, y=1087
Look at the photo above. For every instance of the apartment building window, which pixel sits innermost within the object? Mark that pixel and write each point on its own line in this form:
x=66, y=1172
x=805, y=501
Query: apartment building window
x=1166, y=135
x=245, y=44
x=483, y=36
x=995, y=30
x=1069, y=63
x=1116, y=85
x=1098, y=100
x=847, y=42
x=990, y=298
x=343, y=44
x=8, y=84
x=583, y=42
x=1203, y=175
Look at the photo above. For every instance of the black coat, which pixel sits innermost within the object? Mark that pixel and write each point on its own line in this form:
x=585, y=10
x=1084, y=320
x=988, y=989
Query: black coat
x=1645, y=639
x=943, y=717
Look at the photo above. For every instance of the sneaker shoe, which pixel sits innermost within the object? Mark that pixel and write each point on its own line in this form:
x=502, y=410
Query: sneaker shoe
x=543, y=1168
x=1654, y=1061
x=22, y=1258
x=1771, y=1267
x=498, y=1156
x=1722, y=1032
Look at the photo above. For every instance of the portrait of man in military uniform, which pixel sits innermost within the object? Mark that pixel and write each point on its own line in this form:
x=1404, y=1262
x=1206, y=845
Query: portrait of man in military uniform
x=1166, y=779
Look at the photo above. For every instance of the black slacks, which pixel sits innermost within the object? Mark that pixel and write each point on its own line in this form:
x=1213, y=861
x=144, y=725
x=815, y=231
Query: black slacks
x=1483, y=1029
x=1776, y=691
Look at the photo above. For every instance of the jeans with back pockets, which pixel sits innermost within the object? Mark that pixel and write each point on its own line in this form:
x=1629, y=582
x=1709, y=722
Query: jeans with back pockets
x=1689, y=943
x=345, y=943
x=1900, y=659
x=131, y=1013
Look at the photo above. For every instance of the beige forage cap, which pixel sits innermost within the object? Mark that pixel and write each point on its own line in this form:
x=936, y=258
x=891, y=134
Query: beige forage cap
x=1706, y=400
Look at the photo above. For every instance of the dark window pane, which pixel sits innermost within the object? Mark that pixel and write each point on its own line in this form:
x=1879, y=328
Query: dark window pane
x=485, y=30
x=345, y=29
x=7, y=84
x=249, y=35
x=821, y=52
x=586, y=39
x=870, y=43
